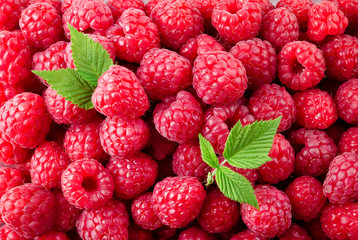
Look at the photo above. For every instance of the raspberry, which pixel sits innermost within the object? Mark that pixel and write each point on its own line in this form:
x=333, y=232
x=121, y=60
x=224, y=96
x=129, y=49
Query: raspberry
x=53, y=235
x=7, y=233
x=282, y=164
x=24, y=120
x=219, y=213
x=8, y=91
x=259, y=59
x=150, y=5
x=66, y=4
x=314, y=229
x=279, y=27
x=349, y=8
x=265, y=5
x=195, y=233
x=339, y=221
x=349, y=141
x=63, y=111
x=41, y=25
x=11, y=154
x=164, y=73
x=247, y=234
x=274, y=216
x=178, y=200
x=218, y=77
x=300, y=65
x=166, y=232
x=143, y=213
x=183, y=106
x=177, y=21
x=237, y=20
x=346, y=100
x=10, y=178
x=123, y=137
x=295, y=232
x=87, y=184
x=102, y=222
x=325, y=19
x=299, y=8
x=29, y=209
x=132, y=175
x=119, y=6
x=137, y=233
x=83, y=141
x=341, y=57
x=206, y=9
x=133, y=35
x=271, y=101
x=54, y=3
x=10, y=12
x=306, y=197
x=315, y=109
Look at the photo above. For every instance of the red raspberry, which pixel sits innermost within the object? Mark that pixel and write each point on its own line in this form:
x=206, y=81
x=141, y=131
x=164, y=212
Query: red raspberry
x=10, y=178
x=109, y=220
x=247, y=234
x=87, y=184
x=237, y=20
x=29, y=209
x=339, y=221
x=132, y=175
x=63, y=111
x=53, y=235
x=143, y=213
x=87, y=16
x=137, y=233
x=164, y=73
x=54, y=3
x=24, y=120
x=166, y=233
x=150, y=5
x=300, y=65
x=123, y=137
x=349, y=8
x=219, y=213
x=259, y=59
x=133, y=35
x=47, y=164
x=183, y=106
x=295, y=232
x=315, y=109
x=66, y=4
x=195, y=233
x=41, y=25
x=349, y=141
x=11, y=154
x=299, y=8
x=206, y=8
x=218, y=77
x=306, y=197
x=82, y=141
x=314, y=229
x=178, y=200
x=346, y=100
x=271, y=101
x=7, y=233
x=119, y=6
x=325, y=19
x=279, y=27
x=10, y=12
x=8, y=91
x=341, y=57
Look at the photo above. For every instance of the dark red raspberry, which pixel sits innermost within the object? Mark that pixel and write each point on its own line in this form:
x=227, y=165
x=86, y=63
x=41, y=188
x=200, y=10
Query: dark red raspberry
x=339, y=221
x=29, y=209
x=165, y=233
x=123, y=137
x=53, y=235
x=177, y=21
x=314, y=229
x=237, y=20
x=346, y=100
x=178, y=200
x=10, y=178
x=349, y=141
x=87, y=184
x=259, y=59
x=24, y=120
x=274, y=216
x=299, y=8
x=169, y=115
x=295, y=232
x=315, y=109
x=63, y=111
x=247, y=234
x=300, y=65
x=138, y=233
x=133, y=35
x=7, y=233
x=41, y=25
x=143, y=213
x=164, y=73
x=325, y=19
x=10, y=12
x=349, y=8
x=119, y=6
x=195, y=233
x=279, y=27
x=103, y=222
x=219, y=213
x=306, y=197
x=341, y=57
x=11, y=154
x=271, y=101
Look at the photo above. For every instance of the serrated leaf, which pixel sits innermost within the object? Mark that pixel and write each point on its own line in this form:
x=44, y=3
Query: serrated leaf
x=235, y=186
x=248, y=147
x=90, y=58
x=70, y=85
x=207, y=152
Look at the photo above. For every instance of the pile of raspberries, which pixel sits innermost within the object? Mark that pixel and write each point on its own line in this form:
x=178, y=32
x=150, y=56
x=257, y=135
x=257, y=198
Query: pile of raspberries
x=131, y=167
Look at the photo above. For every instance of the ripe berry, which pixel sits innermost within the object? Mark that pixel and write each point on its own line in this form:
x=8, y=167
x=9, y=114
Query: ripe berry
x=7, y=233
x=11, y=154
x=119, y=6
x=299, y=8
x=10, y=178
x=295, y=232
x=346, y=100
x=349, y=8
x=247, y=234
x=349, y=141
x=195, y=233
x=10, y=12
x=138, y=233
x=53, y=235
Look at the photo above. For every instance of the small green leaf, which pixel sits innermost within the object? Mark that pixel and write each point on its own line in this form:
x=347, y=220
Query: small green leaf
x=235, y=186
x=207, y=152
x=70, y=85
x=90, y=58
x=248, y=147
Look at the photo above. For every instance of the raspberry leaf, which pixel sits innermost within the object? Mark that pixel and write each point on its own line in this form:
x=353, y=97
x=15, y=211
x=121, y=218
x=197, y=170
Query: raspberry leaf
x=90, y=58
x=207, y=152
x=248, y=147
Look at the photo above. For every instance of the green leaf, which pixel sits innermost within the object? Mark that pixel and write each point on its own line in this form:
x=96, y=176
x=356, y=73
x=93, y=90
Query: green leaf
x=70, y=85
x=248, y=147
x=207, y=152
x=235, y=186
x=90, y=58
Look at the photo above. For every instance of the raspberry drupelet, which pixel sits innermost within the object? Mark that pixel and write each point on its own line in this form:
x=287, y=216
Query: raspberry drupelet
x=346, y=100
x=349, y=141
